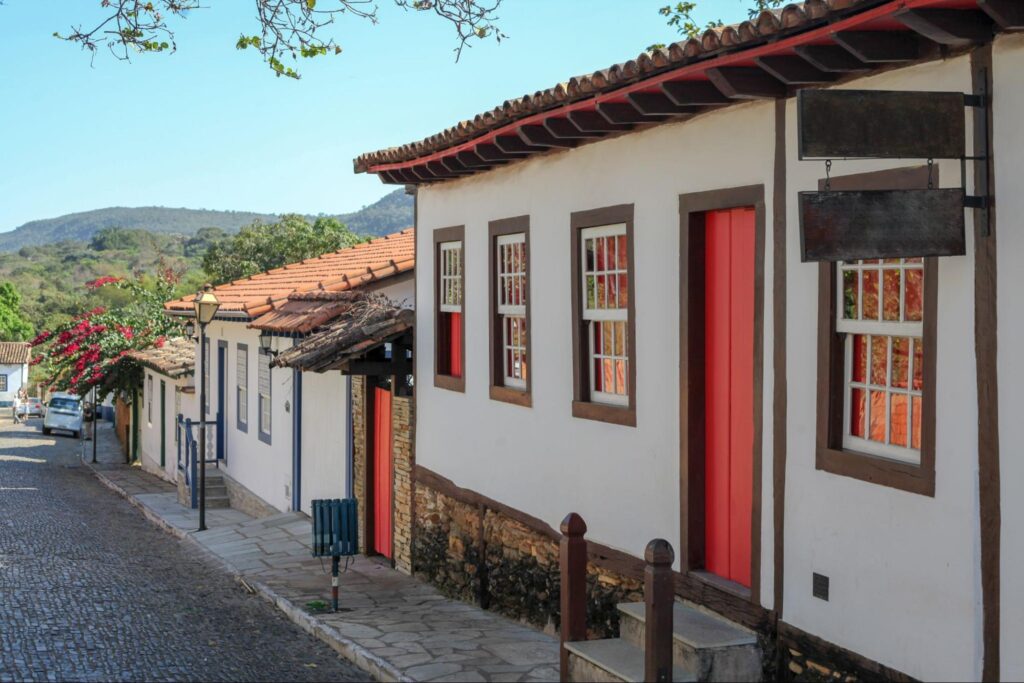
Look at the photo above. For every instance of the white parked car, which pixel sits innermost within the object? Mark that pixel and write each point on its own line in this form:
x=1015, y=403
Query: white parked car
x=64, y=413
x=31, y=407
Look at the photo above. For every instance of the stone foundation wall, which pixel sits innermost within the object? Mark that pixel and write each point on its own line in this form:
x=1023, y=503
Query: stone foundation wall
x=359, y=458
x=805, y=657
x=481, y=554
x=241, y=498
x=403, y=420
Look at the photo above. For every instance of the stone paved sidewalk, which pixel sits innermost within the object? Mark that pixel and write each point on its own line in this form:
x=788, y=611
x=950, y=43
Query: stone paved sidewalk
x=391, y=625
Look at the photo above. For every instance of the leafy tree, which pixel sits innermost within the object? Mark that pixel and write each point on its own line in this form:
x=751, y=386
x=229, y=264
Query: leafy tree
x=286, y=28
x=90, y=350
x=13, y=324
x=262, y=246
x=680, y=17
x=203, y=240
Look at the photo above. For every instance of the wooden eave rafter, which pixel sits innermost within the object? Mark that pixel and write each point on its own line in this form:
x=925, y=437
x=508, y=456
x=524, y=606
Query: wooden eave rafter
x=806, y=45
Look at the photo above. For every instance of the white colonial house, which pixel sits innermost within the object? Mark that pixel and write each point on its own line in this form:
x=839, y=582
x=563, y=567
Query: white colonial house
x=627, y=310
x=282, y=438
x=168, y=398
x=14, y=361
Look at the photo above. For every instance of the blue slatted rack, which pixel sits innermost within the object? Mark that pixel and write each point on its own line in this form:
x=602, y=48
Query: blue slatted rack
x=335, y=534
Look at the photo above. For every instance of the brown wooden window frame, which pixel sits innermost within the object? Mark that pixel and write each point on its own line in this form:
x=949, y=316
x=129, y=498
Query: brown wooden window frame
x=498, y=390
x=830, y=454
x=443, y=381
x=582, y=406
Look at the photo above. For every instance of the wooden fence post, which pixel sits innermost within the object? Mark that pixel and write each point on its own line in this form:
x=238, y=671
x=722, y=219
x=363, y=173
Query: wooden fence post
x=572, y=558
x=659, y=594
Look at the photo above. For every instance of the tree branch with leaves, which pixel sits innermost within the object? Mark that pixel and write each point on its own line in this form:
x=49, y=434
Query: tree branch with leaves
x=287, y=29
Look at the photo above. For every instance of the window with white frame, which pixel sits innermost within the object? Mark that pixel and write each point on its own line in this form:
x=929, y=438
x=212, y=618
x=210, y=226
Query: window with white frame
x=511, y=293
x=881, y=312
x=605, y=308
x=263, y=382
x=242, y=382
x=149, y=399
x=177, y=410
x=3, y=383
x=451, y=277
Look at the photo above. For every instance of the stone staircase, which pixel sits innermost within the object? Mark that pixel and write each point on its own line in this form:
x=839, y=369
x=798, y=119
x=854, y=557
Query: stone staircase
x=705, y=647
x=216, y=489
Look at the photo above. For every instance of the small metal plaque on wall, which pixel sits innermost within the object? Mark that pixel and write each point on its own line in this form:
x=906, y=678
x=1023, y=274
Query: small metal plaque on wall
x=850, y=225
x=880, y=124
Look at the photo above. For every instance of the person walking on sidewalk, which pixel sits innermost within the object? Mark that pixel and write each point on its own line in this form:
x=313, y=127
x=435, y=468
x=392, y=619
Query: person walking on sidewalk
x=17, y=405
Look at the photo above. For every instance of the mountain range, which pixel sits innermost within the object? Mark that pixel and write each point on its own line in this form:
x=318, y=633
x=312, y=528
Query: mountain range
x=391, y=213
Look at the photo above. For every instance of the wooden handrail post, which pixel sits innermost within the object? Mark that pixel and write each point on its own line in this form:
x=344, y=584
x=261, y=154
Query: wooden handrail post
x=572, y=559
x=659, y=594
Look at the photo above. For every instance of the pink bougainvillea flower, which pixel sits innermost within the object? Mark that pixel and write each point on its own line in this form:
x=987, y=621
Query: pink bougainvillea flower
x=101, y=281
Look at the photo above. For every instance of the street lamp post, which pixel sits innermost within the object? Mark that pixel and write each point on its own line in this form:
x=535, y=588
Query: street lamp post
x=205, y=305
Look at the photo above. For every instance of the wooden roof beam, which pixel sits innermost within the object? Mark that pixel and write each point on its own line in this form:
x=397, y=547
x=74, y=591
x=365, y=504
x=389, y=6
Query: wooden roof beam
x=1009, y=14
x=746, y=83
x=831, y=59
x=956, y=28
x=792, y=70
x=658, y=103
x=540, y=136
x=564, y=128
x=455, y=166
x=592, y=122
x=490, y=152
x=441, y=171
x=513, y=144
x=423, y=173
x=473, y=161
x=694, y=93
x=881, y=47
x=621, y=112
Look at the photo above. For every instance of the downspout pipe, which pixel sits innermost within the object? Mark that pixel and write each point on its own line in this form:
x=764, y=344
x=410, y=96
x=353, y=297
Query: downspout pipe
x=349, y=445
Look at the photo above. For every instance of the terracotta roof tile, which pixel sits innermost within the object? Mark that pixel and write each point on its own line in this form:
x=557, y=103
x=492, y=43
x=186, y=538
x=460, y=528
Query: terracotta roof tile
x=176, y=358
x=341, y=270
x=15, y=353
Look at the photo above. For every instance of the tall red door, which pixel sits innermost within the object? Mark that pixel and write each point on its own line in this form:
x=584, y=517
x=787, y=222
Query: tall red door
x=729, y=392
x=382, y=471
x=455, y=344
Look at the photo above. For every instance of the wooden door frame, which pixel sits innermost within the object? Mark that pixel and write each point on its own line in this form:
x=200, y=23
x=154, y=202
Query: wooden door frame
x=163, y=423
x=692, y=208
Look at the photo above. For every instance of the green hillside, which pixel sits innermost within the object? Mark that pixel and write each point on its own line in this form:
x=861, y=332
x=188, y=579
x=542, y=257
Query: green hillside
x=393, y=212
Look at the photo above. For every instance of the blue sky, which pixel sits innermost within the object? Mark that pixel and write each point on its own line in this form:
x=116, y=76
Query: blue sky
x=210, y=127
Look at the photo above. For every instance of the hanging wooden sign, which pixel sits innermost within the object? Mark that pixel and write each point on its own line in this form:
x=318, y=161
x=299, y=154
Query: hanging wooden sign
x=880, y=124
x=849, y=225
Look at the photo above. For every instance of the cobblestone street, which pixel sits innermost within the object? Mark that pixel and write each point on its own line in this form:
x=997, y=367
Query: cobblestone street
x=89, y=590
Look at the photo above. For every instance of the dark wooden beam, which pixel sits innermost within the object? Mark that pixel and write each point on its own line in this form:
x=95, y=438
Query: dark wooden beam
x=441, y=171
x=831, y=58
x=390, y=178
x=564, y=128
x=592, y=122
x=880, y=47
x=454, y=165
x=793, y=70
x=746, y=83
x=381, y=368
x=471, y=160
x=691, y=93
x=621, y=112
x=489, y=152
x=423, y=173
x=659, y=103
x=1009, y=14
x=541, y=137
x=956, y=28
x=405, y=176
x=513, y=144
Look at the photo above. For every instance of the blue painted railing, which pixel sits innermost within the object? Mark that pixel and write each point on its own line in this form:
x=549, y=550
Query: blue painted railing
x=188, y=462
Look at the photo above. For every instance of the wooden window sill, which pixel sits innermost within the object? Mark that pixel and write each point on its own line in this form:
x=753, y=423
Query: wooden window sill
x=450, y=383
x=517, y=397
x=604, y=413
x=876, y=470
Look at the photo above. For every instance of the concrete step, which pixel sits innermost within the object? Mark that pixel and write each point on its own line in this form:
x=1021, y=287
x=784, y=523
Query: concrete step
x=714, y=648
x=217, y=501
x=612, y=660
x=216, y=489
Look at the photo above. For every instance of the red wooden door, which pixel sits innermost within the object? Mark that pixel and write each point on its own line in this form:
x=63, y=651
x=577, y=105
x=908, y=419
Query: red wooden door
x=729, y=392
x=382, y=471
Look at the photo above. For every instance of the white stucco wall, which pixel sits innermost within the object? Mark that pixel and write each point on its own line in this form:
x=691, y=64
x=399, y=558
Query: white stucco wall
x=324, y=436
x=1008, y=96
x=905, y=586
x=149, y=442
x=622, y=480
x=265, y=469
x=17, y=377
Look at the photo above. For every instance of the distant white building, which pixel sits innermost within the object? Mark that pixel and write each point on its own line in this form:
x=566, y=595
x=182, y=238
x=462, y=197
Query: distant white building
x=14, y=358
